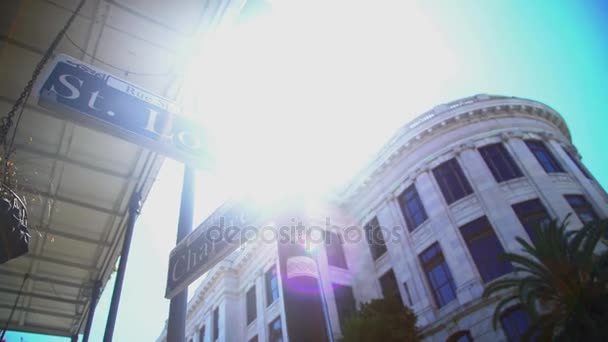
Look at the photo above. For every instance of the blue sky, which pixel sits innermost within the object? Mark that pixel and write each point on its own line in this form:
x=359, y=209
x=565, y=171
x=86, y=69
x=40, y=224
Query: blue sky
x=372, y=69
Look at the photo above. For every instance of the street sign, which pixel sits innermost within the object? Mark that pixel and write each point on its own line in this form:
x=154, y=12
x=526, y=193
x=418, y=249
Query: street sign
x=93, y=98
x=213, y=240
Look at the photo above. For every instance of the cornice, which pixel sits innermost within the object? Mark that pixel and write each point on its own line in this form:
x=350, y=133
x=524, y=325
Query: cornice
x=444, y=118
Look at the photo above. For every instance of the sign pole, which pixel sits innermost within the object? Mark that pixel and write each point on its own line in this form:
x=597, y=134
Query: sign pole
x=176, y=328
x=92, y=307
x=134, y=210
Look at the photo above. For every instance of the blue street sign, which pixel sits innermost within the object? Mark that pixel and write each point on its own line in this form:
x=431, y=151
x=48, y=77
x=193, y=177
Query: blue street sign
x=93, y=98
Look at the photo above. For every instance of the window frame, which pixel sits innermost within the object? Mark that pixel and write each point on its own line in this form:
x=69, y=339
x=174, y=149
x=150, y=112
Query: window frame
x=371, y=229
x=506, y=315
x=390, y=273
x=345, y=310
x=434, y=261
x=254, y=305
x=271, y=329
x=544, y=156
x=406, y=203
x=579, y=210
x=480, y=231
x=525, y=217
x=489, y=153
x=270, y=292
x=335, y=250
x=451, y=168
x=201, y=334
x=216, y=323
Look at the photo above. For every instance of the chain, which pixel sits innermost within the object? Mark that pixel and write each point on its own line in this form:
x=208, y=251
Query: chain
x=7, y=121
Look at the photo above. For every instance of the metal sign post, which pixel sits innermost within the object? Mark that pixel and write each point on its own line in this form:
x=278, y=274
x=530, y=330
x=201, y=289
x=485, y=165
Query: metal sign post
x=176, y=327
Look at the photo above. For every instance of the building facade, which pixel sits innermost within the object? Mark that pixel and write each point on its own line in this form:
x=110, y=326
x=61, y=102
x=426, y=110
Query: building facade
x=426, y=219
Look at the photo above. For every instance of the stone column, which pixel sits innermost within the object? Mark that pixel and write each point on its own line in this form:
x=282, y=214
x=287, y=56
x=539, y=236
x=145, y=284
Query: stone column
x=445, y=232
x=595, y=194
x=505, y=223
x=544, y=185
x=260, y=298
x=406, y=260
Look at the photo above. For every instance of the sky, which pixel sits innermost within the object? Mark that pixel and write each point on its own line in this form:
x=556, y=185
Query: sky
x=303, y=107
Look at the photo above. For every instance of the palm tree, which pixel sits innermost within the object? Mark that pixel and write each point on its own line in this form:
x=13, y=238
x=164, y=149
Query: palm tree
x=561, y=282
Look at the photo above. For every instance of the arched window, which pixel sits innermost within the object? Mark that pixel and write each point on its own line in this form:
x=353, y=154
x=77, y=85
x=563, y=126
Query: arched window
x=460, y=336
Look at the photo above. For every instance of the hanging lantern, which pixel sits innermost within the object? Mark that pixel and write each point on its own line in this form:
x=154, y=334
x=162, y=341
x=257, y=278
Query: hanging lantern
x=14, y=236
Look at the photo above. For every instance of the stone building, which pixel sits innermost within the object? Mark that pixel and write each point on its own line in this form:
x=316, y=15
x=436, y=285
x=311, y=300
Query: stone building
x=449, y=192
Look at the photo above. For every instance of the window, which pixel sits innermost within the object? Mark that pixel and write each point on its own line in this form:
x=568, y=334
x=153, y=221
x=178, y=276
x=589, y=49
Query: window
x=275, y=333
x=254, y=339
x=485, y=249
x=544, y=156
x=500, y=162
x=460, y=336
x=216, y=324
x=201, y=334
x=578, y=163
x=373, y=233
x=532, y=215
x=438, y=275
x=251, y=305
x=388, y=283
x=514, y=323
x=272, y=285
x=345, y=302
x=412, y=208
x=335, y=252
x=582, y=208
x=452, y=182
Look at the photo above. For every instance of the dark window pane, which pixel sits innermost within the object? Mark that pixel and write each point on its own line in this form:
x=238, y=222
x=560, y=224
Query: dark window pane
x=485, y=249
x=335, y=252
x=452, y=182
x=251, y=305
x=544, y=156
x=438, y=275
x=272, y=285
x=254, y=339
x=275, y=333
x=532, y=215
x=582, y=208
x=514, y=322
x=578, y=163
x=216, y=324
x=345, y=302
x=500, y=162
x=201, y=334
x=388, y=283
x=374, y=237
x=412, y=208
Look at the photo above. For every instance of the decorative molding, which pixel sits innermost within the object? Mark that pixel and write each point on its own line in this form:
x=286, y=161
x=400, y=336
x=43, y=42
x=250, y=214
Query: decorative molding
x=443, y=118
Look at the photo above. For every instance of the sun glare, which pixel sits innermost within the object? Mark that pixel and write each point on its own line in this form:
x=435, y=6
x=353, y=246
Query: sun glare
x=289, y=98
